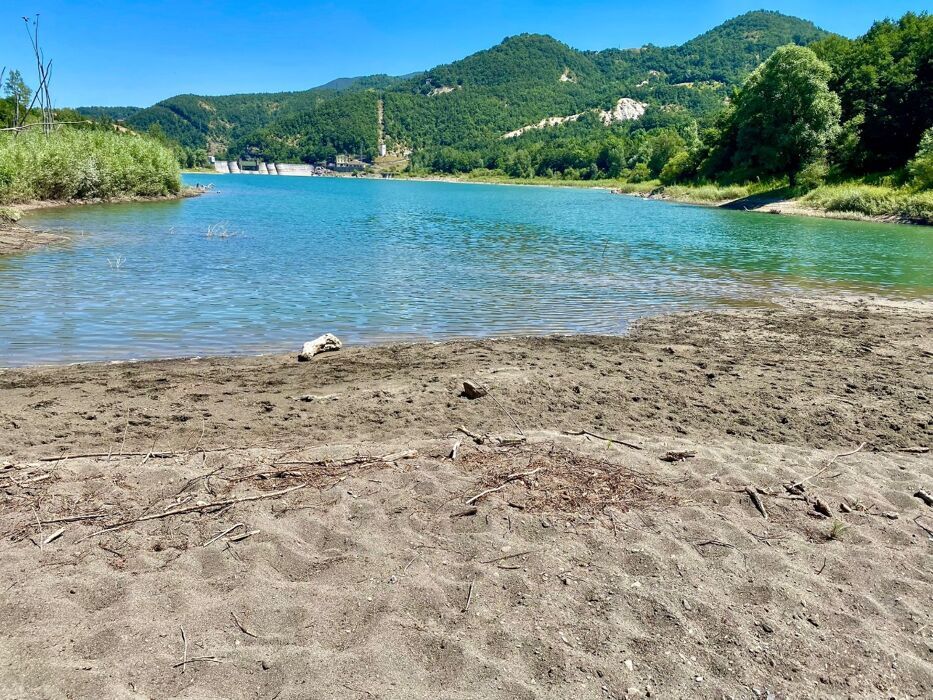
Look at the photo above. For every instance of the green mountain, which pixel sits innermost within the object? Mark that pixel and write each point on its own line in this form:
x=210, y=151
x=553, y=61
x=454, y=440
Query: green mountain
x=108, y=113
x=473, y=102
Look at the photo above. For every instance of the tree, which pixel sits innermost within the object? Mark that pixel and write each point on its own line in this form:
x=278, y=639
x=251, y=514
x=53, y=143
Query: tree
x=611, y=158
x=884, y=80
x=18, y=92
x=664, y=146
x=675, y=169
x=785, y=116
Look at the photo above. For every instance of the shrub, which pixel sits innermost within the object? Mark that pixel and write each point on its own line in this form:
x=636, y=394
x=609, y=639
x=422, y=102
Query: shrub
x=813, y=175
x=84, y=164
x=707, y=193
x=873, y=200
x=640, y=173
x=676, y=169
x=921, y=167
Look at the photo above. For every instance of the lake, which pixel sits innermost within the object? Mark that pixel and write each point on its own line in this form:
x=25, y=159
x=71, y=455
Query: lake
x=266, y=263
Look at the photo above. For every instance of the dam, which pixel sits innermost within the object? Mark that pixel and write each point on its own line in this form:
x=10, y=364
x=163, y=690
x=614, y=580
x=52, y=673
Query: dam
x=259, y=167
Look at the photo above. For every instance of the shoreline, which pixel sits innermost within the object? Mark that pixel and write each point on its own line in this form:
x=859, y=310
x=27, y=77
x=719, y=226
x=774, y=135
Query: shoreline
x=390, y=345
x=16, y=238
x=583, y=530
x=782, y=207
x=186, y=192
x=764, y=205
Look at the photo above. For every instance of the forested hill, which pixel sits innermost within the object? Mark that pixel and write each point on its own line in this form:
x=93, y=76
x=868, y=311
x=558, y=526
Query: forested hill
x=474, y=101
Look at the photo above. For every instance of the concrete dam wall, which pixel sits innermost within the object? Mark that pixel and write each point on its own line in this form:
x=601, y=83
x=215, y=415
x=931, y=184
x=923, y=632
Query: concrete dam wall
x=294, y=169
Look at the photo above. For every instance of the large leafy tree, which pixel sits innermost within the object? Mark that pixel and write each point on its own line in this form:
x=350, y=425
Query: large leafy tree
x=885, y=82
x=784, y=116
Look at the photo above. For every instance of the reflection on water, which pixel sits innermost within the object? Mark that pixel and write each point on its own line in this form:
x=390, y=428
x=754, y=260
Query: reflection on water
x=375, y=260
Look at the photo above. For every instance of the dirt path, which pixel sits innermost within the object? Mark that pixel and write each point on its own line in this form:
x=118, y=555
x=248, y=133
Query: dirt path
x=596, y=570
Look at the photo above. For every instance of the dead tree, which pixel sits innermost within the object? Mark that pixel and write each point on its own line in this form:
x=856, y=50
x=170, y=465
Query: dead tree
x=42, y=96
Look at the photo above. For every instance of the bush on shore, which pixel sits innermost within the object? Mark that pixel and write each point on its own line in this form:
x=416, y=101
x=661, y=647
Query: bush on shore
x=73, y=164
x=708, y=193
x=874, y=200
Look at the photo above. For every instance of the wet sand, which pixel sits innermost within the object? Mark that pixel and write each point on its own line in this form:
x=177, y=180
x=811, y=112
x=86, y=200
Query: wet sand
x=19, y=239
x=585, y=568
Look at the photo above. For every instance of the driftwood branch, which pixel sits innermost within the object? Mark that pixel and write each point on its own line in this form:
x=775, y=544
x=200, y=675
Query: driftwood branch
x=827, y=466
x=602, y=437
x=196, y=509
x=756, y=501
x=509, y=479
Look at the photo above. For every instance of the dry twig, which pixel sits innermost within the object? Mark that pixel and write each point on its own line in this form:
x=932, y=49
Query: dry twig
x=827, y=466
x=470, y=595
x=242, y=627
x=507, y=556
x=225, y=532
x=54, y=536
x=196, y=508
x=756, y=501
x=602, y=437
x=510, y=478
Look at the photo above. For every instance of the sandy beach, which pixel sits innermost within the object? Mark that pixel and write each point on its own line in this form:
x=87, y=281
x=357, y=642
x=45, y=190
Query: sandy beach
x=719, y=504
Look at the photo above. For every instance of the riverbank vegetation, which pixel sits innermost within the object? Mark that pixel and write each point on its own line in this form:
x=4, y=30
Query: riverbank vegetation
x=70, y=164
x=50, y=154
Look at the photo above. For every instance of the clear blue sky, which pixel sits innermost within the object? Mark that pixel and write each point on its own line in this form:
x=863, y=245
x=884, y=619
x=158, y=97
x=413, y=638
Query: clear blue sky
x=129, y=52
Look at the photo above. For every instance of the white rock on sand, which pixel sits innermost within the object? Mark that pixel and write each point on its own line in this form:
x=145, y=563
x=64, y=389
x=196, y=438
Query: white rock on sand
x=325, y=343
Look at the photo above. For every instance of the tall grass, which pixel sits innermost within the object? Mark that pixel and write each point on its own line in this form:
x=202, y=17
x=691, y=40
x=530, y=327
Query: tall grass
x=77, y=164
x=874, y=200
x=708, y=193
x=701, y=193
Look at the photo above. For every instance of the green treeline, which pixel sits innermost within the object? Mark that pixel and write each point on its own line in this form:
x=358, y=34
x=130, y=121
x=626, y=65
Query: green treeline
x=319, y=132
x=837, y=108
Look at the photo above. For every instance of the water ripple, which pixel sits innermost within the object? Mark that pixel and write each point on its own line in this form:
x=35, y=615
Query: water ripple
x=374, y=260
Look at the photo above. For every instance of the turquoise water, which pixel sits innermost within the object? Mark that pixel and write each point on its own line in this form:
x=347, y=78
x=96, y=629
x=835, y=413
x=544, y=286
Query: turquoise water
x=375, y=260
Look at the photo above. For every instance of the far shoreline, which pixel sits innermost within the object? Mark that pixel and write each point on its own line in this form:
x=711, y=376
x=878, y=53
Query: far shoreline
x=783, y=207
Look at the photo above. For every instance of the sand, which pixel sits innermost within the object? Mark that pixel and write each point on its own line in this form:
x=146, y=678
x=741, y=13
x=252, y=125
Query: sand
x=597, y=570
